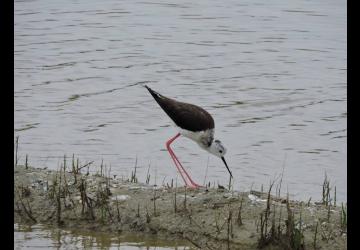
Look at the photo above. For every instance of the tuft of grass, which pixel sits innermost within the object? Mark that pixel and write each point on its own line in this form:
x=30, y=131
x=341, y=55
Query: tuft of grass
x=294, y=236
x=271, y=229
x=133, y=173
x=266, y=237
x=326, y=199
x=325, y=191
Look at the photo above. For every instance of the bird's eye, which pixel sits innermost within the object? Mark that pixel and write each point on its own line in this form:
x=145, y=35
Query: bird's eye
x=220, y=151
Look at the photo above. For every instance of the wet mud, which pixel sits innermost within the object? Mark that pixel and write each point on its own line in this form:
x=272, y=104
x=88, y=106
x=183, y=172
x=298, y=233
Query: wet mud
x=209, y=218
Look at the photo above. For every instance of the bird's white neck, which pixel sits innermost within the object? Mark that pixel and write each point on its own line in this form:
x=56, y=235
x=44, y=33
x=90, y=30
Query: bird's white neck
x=212, y=149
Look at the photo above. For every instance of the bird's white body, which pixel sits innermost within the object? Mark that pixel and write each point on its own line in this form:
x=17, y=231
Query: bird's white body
x=203, y=138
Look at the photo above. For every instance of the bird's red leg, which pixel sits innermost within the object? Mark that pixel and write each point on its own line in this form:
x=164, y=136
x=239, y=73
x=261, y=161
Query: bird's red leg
x=174, y=157
x=194, y=185
x=178, y=164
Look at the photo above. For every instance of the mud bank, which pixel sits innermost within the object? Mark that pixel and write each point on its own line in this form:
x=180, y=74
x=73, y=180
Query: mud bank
x=212, y=218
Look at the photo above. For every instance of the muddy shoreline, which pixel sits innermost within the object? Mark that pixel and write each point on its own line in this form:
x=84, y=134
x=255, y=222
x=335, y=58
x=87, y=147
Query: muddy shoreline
x=212, y=218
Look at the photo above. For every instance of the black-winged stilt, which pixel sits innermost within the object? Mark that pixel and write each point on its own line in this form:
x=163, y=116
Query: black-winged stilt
x=194, y=123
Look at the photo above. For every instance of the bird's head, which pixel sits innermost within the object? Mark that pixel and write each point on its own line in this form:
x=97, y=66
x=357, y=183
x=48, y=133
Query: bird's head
x=216, y=148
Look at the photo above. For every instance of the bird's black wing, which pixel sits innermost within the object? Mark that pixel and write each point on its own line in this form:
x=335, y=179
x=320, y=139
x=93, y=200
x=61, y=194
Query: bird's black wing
x=186, y=116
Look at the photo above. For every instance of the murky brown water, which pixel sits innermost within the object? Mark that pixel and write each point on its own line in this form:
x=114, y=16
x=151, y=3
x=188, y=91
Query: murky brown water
x=42, y=237
x=272, y=73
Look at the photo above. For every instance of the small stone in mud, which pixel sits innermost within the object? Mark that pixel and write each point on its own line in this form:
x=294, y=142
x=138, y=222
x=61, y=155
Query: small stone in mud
x=121, y=197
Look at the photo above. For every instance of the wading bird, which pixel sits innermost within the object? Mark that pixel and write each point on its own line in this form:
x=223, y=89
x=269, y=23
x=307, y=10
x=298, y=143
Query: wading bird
x=194, y=123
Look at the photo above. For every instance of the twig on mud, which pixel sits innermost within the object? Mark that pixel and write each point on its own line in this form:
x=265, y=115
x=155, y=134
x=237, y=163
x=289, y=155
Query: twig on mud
x=27, y=210
x=107, y=207
x=218, y=228
x=16, y=150
x=26, y=162
x=239, y=218
x=308, y=203
x=328, y=214
x=207, y=245
x=58, y=208
x=193, y=242
x=230, y=179
x=315, y=235
x=86, y=165
x=155, y=202
x=343, y=217
x=85, y=199
x=65, y=188
x=175, y=204
x=138, y=210
x=101, y=166
x=148, y=218
x=58, y=201
x=117, y=210
x=185, y=199
x=163, y=181
x=229, y=227
x=148, y=175
x=282, y=175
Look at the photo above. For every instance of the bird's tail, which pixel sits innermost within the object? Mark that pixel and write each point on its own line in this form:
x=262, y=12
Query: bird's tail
x=155, y=94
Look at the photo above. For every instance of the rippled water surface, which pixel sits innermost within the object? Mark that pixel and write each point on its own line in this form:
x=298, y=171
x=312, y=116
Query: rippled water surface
x=41, y=237
x=272, y=73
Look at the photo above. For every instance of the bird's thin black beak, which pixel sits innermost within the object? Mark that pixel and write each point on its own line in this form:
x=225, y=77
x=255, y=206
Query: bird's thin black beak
x=223, y=159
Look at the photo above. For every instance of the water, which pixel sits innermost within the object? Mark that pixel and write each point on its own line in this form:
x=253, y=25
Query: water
x=273, y=75
x=42, y=237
